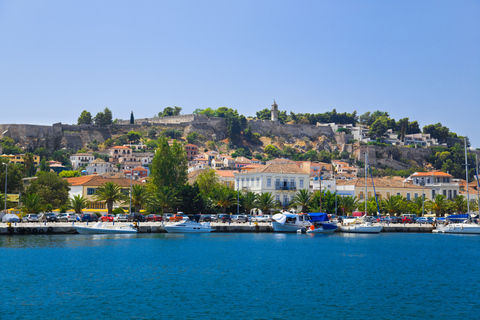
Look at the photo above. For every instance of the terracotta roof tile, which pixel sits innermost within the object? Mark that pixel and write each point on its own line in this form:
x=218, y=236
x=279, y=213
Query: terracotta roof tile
x=95, y=180
x=379, y=183
x=431, y=174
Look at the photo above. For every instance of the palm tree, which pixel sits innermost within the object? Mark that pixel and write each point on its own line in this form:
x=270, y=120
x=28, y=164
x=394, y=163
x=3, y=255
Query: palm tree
x=78, y=203
x=161, y=199
x=302, y=199
x=139, y=196
x=459, y=204
x=438, y=205
x=2, y=201
x=393, y=204
x=32, y=203
x=348, y=204
x=110, y=192
x=265, y=202
x=223, y=197
x=248, y=201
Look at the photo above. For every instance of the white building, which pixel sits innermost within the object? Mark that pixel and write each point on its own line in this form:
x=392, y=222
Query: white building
x=81, y=159
x=439, y=182
x=99, y=166
x=283, y=180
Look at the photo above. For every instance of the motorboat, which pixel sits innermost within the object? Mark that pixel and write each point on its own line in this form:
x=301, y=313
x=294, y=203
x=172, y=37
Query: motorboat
x=188, y=226
x=458, y=228
x=363, y=227
x=100, y=228
x=289, y=222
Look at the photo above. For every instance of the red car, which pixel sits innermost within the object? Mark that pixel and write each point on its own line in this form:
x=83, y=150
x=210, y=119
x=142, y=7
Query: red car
x=154, y=217
x=407, y=220
x=107, y=218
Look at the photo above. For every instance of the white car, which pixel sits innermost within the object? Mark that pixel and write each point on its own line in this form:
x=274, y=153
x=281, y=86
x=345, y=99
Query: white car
x=120, y=218
x=260, y=219
x=67, y=217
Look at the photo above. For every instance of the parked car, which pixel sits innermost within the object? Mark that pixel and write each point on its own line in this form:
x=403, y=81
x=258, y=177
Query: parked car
x=136, y=217
x=425, y=220
x=240, y=218
x=154, y=218
x=407, y=219
x=259, y=219
x=206, y=218
x=107, y=218
x=395, y=220
x=385, y=220
x=177, y=217
x=88, y=217
x=224, y=218
x=67, y=217
x=48, y=217
x=31, y=217
x=120, y=218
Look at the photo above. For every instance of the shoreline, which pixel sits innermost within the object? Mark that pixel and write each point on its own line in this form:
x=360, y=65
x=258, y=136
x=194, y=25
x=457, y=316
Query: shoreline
x=51, y=228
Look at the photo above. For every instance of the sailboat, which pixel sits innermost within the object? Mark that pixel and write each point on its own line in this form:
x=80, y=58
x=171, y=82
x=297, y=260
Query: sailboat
x=364, y=226
x=467, y=226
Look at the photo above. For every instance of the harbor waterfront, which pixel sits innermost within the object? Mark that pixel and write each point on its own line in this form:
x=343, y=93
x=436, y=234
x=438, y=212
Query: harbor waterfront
x=240, y=276
x=157, y=227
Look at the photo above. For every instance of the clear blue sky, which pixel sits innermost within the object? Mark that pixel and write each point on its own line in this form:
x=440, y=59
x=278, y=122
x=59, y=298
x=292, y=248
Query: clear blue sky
x=416, y=59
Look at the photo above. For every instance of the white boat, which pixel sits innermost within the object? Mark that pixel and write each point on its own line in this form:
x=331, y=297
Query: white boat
x=99, y=228
x=458, y=228
x=364, y=227
x=289, y=222
x=188, y=226
x=467, y=226
x=360, y=225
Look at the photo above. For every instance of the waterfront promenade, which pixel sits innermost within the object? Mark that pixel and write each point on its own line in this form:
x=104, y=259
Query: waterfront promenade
x=157, y=227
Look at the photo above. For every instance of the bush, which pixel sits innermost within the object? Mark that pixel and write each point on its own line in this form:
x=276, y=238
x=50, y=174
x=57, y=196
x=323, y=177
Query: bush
x=118, y=210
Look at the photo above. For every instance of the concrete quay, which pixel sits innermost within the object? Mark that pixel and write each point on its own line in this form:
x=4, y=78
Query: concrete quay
x=157, y=227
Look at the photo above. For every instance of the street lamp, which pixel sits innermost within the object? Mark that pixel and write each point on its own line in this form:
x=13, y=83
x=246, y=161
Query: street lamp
x=131, y=175
x=423, y=196
x=6, y=175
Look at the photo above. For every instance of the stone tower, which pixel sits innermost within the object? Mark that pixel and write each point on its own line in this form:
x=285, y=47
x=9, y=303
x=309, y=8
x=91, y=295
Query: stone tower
x=274, y=111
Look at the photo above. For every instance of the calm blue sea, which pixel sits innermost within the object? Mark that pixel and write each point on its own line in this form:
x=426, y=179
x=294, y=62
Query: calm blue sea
x=240, y=276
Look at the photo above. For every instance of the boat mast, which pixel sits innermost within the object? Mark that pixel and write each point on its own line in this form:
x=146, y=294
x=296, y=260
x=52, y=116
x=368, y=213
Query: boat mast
x=476, y=172
x=366, y=177
x=466, y=176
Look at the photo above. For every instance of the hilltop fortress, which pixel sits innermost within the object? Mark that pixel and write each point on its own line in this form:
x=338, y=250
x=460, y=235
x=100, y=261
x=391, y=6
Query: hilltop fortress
x=60, y=135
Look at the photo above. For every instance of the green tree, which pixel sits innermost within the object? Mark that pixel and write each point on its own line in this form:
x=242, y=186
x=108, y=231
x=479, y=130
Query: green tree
x=103, y=118
x=78, y=203
x=140, y=196
x=302, y=198
x=134, y=137
x=437, y=131
x=265, y=202
x=169, y=111
x=459, y=204
x=248, y=201
x=9, y=147
x=169, y=165
x=348, y=204
x=271, y=150
x=132, y=118
x=51, y=188
x=439, y=205
x=163, y=198
x=192, y=137
x=110, y=192
x=207, y=181
x=393, y=204
x=30, y=167
x=224, y=197
x=44, y=166
x=85, y=118
x=192, y=199
x=14, y=178
x=69, y=174
x=32, y=203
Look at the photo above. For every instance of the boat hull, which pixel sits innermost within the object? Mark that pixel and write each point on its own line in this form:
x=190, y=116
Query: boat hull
x=287, y=227
x=330, y=228
x=188, y=227
x=458, y=228
x=359, y=228
x=90, y=230
x=172, y=229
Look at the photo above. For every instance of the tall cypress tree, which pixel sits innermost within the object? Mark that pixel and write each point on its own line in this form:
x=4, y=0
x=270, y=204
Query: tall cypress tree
x=132, y=119
x=169, y=165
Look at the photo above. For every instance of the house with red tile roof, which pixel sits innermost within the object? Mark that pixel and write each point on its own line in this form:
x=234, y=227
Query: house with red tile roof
x=439, y=182
x=86, y=186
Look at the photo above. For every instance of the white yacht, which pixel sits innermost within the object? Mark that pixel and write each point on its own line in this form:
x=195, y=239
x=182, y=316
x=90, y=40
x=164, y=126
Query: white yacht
x=188, y=226
x=99, y=228
x=289, y=222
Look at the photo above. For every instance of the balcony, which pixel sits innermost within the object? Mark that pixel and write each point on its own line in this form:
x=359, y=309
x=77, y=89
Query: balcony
x=286, y=187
